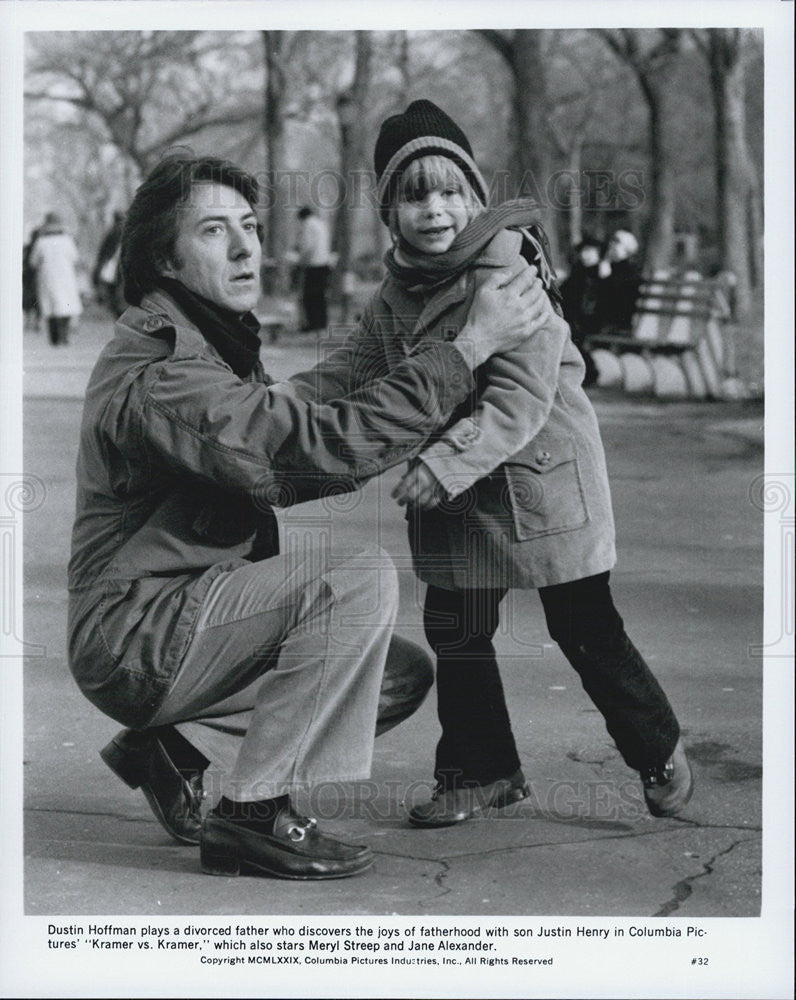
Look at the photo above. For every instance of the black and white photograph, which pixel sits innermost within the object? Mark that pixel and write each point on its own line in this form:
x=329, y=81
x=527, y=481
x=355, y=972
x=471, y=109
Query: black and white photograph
x=397, y=499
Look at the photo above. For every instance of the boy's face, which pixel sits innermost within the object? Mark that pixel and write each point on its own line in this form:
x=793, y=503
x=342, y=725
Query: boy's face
x=431, y=214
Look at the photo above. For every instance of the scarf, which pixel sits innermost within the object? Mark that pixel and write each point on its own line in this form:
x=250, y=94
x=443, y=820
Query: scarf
x=425, y=272
x=233, y=336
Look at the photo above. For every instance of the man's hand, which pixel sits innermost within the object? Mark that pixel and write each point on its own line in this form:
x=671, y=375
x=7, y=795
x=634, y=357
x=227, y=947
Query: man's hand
x=419, y=487
x=506, y=310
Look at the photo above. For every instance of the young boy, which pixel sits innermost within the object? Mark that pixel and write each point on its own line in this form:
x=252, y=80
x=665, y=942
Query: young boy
x=513, y=494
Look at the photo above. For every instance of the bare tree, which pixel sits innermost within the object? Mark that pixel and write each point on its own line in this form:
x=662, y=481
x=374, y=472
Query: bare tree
x=738, y=215
x=652, y=56
x=277, y=48
x=351, y=109
x=531, y=166
x=129, y=83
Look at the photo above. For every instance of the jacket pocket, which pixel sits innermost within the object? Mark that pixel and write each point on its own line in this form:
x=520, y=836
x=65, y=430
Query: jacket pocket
x=544, y=487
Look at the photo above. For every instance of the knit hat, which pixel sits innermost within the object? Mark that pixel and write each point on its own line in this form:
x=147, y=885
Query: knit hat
x=422, y=130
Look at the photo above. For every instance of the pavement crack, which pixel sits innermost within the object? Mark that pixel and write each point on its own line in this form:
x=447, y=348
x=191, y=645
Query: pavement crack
x=88, y=812
x=683, y=889
x=509, y=848
x=440, y=877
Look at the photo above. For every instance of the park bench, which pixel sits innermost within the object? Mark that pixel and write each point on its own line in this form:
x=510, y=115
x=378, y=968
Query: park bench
x=676, y=347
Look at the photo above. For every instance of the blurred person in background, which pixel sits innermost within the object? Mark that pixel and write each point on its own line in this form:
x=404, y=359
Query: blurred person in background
x=30, y=300
x=54, y=258
x=314, y=260
x=106, y=277
x=619, y=275
x=579, y=294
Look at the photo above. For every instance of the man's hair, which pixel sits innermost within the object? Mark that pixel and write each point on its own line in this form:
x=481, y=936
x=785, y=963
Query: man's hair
x=152, y=224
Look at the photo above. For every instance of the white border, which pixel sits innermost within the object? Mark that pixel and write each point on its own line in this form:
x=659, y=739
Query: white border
x=756, y=953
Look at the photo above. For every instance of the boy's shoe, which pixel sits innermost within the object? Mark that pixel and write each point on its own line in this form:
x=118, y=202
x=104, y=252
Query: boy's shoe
x=292, y=849
x=668, y=788
x=447, y=808
x=140, y=759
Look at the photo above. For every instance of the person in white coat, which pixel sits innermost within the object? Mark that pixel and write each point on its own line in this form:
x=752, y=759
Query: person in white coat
x=54, y=257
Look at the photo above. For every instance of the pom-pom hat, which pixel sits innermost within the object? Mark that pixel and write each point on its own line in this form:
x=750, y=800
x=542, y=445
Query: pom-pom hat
x=422, y=130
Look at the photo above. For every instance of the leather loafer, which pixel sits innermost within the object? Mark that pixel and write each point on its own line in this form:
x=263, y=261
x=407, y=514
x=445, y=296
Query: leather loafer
x=667, y=789
x=141, y=761
x=294, y=849
x=447, y=808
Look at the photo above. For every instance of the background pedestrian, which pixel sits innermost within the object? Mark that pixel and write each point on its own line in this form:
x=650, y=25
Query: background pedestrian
x=314, y=259
x=106, y=277
x=579, y=294
x=54, y=257
x=30, y=300
x=619, y=278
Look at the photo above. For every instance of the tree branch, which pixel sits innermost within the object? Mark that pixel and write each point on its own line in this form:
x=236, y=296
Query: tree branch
x=498, y=41
x=187, y=128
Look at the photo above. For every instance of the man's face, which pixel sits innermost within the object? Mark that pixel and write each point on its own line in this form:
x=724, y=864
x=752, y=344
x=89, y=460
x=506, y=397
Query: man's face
x=217, y=252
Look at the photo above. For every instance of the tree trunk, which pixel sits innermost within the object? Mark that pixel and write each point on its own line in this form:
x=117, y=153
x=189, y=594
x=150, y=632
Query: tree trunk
x=660, y=227
x=532, y=162
x=575, y=203
x=404, y=68
x=739, y=224
x=276, y=219
x=352, y=141
x=653, y=70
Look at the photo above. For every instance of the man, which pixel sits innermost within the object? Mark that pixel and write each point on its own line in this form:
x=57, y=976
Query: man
x=313, y=258
x=184, y=623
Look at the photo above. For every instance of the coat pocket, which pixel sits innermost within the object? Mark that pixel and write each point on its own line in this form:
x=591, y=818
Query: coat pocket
x=544, y=487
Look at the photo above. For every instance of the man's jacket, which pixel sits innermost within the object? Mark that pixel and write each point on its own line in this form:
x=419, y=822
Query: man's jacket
x=180, y=463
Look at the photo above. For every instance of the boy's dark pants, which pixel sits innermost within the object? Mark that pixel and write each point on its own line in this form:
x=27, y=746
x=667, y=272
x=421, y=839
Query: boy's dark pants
x=477, y=745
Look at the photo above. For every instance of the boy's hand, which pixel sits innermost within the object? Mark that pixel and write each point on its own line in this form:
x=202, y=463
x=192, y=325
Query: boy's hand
x=507, y=309
x=419, y=487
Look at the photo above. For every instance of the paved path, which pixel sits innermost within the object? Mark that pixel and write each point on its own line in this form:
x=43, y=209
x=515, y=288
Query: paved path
x=689, y=585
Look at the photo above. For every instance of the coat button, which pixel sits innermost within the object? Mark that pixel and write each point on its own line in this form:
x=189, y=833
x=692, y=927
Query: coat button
x=543, y=457
x=152, y=323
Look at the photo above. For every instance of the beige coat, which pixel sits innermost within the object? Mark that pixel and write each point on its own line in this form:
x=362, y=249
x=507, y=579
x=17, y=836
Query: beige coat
x=528, y=503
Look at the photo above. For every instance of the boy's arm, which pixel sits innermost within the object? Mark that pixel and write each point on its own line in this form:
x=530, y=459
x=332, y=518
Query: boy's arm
x=511, y=411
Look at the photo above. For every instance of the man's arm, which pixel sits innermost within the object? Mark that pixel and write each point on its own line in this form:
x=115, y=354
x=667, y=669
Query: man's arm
x=197, y=417
x=503, y=307
x=358, y=360
x=194, y=416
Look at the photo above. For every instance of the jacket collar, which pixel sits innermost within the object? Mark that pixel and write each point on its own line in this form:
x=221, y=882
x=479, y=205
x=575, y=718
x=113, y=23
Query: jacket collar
x=501, y=250
x=188, y=337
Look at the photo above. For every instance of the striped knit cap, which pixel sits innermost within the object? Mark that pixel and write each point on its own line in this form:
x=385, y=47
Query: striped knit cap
x=422, y=130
